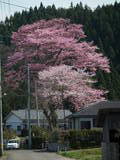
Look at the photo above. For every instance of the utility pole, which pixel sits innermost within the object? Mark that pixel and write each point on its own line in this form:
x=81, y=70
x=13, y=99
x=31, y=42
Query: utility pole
x=1, y=120
x=36, y=101
x=63, y=109
x=29, y=117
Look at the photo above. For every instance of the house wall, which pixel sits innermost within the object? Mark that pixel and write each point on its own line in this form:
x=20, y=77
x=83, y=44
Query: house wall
x=13, y=122
x=76, y=122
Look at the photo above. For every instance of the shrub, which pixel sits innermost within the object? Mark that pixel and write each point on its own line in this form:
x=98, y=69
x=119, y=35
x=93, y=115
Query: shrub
x=64, y=136
x=40, y=132
x=9, y=134
x=85, y=138
x=54, y=136
x=37, y=142
x=77, y=138
x=39, y=137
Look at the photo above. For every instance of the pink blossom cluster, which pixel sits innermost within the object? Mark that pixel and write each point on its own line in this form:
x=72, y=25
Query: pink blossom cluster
x=63, y=82
x=55, y=42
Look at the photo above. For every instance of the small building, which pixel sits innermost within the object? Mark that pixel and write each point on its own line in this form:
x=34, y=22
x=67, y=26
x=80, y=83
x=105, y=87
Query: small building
x=18, y=119
x=109, y=119
x=86, y=118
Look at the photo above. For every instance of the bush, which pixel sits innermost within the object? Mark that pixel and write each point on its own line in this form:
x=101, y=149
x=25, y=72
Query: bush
x=9, y=134
x=54, y=136
x=39, y=137
x=64, y=136
x=58, y=141
x=40, y=132
x=77, y=138
x=85, y=138
x=37, y=142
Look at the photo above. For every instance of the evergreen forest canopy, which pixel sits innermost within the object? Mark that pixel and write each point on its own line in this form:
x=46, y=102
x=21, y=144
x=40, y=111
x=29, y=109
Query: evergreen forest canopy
x=101, y=26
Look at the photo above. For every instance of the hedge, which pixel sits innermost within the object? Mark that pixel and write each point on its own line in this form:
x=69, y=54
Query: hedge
x=85, y=138
x=75, y=138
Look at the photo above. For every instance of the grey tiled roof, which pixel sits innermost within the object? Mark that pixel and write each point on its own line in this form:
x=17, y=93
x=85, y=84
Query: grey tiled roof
x=92, y=110
x=22, y=114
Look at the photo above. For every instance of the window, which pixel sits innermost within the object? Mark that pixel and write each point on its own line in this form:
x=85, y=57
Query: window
x=8, y=126
x=85, y=124
x=18, y=128
x=25, y=126
x=61, y=125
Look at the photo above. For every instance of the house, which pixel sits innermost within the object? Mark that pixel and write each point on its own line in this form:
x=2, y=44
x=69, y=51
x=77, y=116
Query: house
x=86, y=118
x=18, y=119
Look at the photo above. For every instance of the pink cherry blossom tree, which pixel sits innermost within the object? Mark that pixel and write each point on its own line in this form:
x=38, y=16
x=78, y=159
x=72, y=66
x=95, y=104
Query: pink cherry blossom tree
x=50, y=47
x=51, y=43
x=63, y=82
x=72, y=83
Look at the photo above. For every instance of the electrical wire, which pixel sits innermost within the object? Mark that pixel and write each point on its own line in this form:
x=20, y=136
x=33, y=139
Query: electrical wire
x=12, y=4
x=1, y=9
x=4, y=8
x=18, y=2
x=9, y=7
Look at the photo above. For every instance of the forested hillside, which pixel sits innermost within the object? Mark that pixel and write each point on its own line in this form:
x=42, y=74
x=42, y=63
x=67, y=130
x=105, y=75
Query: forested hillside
x=101, y=26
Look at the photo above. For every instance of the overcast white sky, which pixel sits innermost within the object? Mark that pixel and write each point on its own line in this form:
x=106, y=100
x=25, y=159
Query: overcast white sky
x=6, y=10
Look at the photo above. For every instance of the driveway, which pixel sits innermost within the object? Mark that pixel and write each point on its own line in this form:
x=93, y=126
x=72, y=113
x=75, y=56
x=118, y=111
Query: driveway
x=33, y=155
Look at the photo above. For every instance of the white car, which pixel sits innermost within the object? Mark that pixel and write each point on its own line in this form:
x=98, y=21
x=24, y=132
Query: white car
x=13, y=144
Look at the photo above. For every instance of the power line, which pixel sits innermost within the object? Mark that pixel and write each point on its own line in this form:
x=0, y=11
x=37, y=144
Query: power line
x=18, y=2
x=1, y=8
x=9, y=6
x=4, y=8
x=15, y=5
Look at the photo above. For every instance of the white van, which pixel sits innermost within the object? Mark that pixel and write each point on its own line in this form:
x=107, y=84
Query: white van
x=13, y=144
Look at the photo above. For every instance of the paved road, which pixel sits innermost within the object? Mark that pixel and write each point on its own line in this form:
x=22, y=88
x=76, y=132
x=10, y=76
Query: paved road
x=33, y=155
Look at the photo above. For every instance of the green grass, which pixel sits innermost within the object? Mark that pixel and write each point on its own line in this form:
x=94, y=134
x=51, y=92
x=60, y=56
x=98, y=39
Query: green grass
x=84, y=154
